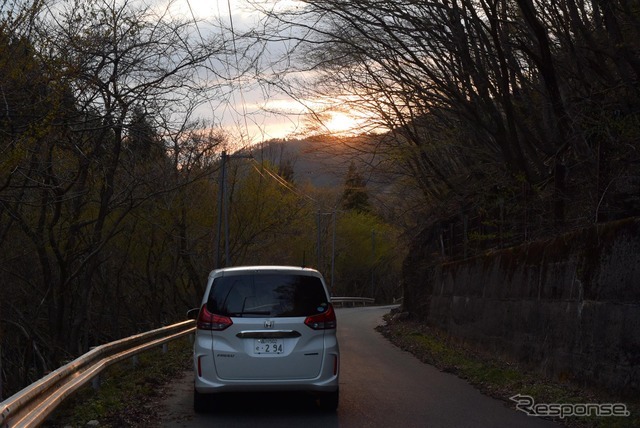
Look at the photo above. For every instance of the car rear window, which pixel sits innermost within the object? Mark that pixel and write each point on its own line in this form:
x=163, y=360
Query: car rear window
x=271, y=295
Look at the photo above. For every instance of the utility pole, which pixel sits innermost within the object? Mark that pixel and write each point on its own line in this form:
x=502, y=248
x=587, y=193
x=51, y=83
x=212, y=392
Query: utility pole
x=223, y=206
x=318, y=243
x=221, y=185
x=333, y=250
x=373, y=261
x=333, y=215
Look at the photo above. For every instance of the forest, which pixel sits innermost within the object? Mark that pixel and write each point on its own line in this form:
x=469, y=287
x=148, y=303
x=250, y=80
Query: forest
x=110, y=201
x=514, y=119
x=494, y=122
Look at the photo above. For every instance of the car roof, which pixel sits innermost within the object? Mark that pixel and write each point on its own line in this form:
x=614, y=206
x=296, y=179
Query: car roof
x=265, y=269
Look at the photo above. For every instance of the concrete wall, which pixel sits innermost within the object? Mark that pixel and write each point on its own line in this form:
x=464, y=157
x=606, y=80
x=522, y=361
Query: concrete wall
x=570, y=306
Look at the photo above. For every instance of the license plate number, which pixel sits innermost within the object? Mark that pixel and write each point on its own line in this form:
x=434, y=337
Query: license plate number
x=268, y=346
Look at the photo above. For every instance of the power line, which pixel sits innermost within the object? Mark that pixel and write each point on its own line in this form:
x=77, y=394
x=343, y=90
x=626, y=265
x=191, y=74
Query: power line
x=279, y=179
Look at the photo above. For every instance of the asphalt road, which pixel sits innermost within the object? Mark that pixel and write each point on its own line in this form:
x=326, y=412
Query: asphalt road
x=380, y=386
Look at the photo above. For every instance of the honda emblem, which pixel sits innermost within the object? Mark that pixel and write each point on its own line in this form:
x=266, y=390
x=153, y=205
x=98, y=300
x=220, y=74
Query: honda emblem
x=268, y=324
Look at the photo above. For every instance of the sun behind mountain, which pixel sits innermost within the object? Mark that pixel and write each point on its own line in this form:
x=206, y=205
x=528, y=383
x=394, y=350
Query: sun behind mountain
x=342, y=123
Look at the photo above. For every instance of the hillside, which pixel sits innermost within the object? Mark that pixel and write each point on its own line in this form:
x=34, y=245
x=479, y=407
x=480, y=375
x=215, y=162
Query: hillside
x=323, y=161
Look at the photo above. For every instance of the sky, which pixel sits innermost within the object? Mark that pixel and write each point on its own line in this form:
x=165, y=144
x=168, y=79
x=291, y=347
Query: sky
x=248, y=112
x=253, y=113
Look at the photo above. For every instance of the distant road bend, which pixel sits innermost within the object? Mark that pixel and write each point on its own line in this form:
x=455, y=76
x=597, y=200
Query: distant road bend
x=381, y=386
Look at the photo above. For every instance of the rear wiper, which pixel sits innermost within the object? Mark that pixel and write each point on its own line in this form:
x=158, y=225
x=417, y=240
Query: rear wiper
x=239, y=314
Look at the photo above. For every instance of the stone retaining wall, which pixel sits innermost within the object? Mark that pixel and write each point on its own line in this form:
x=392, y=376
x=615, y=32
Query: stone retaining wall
x=570, y=306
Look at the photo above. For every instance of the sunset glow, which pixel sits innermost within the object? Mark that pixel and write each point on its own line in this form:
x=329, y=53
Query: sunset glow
x=340, y=123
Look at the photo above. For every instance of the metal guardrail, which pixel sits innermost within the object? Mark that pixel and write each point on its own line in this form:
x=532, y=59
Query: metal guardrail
x=31, y=406
x=342, y=301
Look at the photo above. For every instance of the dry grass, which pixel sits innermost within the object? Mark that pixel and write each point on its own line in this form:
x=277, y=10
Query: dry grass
x=127, y=394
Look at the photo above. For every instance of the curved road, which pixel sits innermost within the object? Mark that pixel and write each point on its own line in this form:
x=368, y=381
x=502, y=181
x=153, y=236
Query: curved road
x=380, y=386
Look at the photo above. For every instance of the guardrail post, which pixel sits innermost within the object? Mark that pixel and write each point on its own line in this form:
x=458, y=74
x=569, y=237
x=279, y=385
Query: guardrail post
x=134, y=361
x=95, y=382
x=165, y=348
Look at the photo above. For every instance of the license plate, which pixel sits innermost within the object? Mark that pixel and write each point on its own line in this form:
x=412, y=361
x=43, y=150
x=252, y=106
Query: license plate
x=268, y=346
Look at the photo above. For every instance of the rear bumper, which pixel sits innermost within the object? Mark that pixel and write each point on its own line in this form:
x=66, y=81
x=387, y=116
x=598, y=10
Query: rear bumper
x=208, y=387
x=208, y=382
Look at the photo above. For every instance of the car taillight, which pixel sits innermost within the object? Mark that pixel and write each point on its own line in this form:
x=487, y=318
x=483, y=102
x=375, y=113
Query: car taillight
x=323, y=321
x=208, y=321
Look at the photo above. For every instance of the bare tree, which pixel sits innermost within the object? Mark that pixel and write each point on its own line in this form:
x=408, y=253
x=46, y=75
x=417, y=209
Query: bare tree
x=115, y=83
x=482, y=95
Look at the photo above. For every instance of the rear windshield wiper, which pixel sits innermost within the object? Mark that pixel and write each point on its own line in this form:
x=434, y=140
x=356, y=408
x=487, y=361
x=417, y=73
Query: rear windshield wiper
x=239, y=314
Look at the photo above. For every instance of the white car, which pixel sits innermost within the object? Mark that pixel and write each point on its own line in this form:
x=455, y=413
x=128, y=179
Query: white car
x=266, y=328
